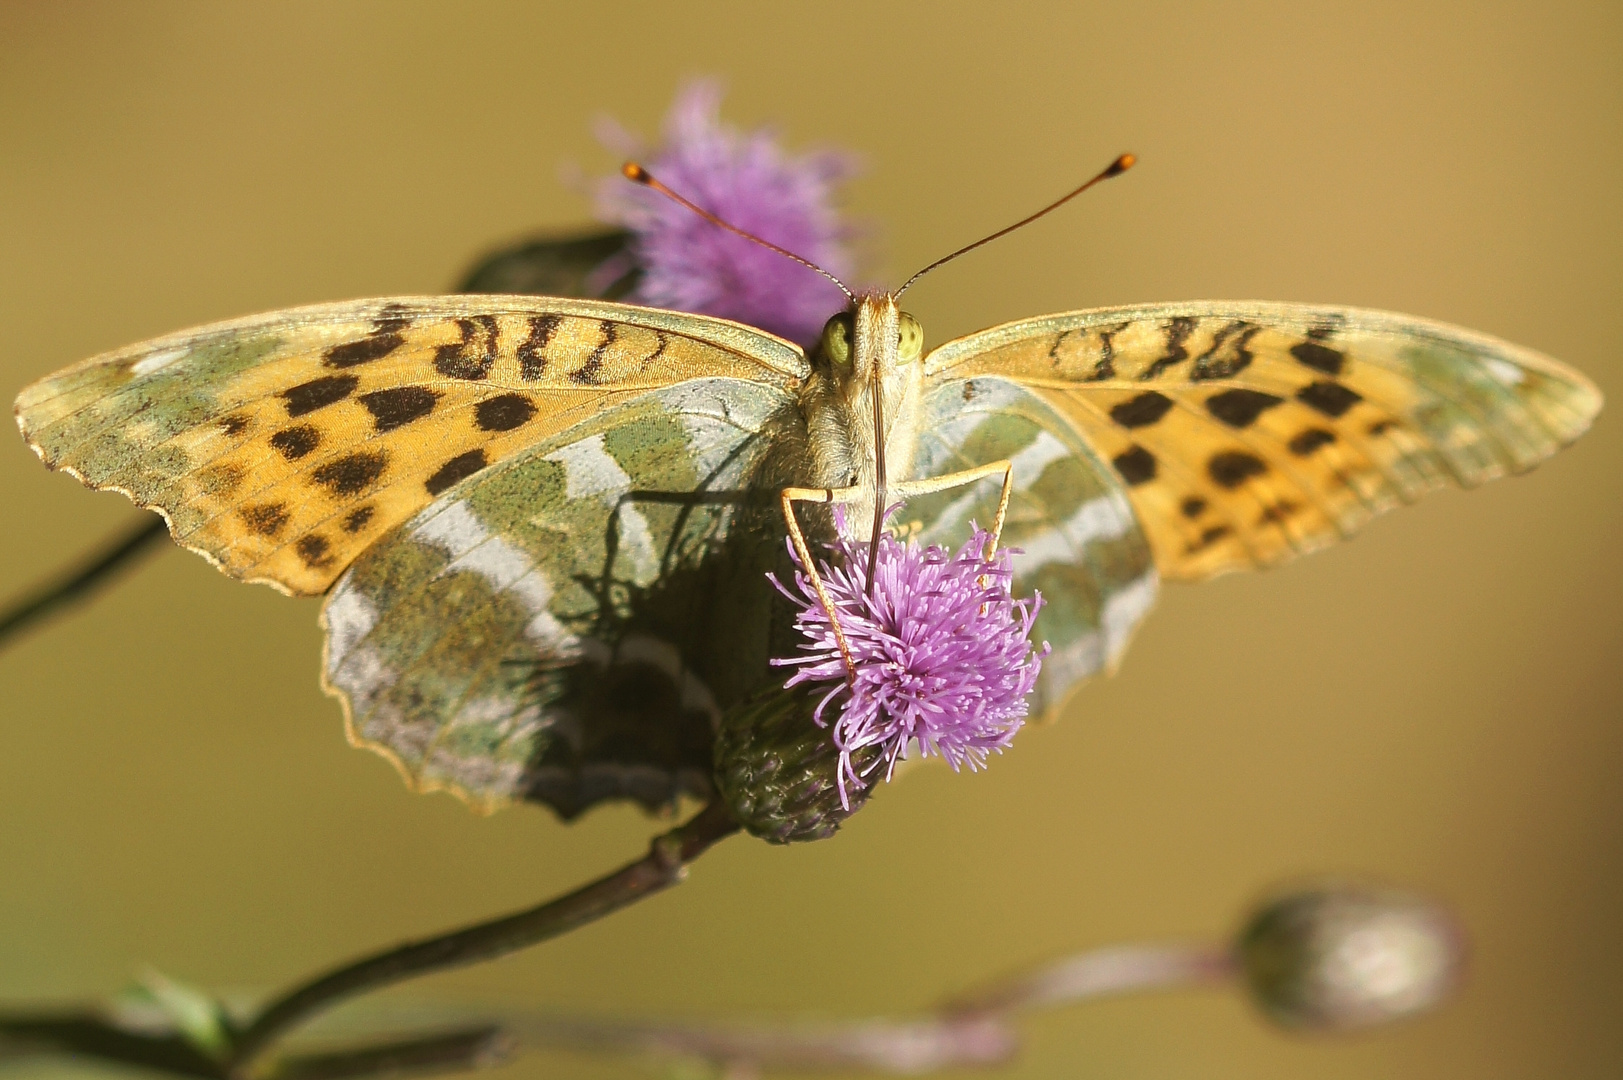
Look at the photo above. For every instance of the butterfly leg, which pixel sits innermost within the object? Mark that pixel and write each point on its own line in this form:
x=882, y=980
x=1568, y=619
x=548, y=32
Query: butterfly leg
x=933, y=484
x=790, y=496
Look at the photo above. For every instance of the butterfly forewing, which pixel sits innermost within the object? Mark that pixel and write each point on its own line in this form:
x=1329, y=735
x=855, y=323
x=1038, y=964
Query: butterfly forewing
x=281, y=446
x=1247, y=432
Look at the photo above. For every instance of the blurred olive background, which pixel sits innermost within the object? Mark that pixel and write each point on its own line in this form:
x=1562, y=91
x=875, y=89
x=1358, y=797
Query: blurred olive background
x=1435, y=704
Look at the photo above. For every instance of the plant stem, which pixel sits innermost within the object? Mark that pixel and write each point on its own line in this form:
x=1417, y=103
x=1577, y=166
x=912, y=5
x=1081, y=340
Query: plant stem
x=663, y=866
x=77, y=584
x=880, y=1045
x=87, y=1034
x=973, y=1029
x=457, y=1051
x=1117, y=969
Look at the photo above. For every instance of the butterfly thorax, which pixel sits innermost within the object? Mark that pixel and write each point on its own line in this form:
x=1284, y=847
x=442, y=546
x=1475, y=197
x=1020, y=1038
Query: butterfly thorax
x=870, y=351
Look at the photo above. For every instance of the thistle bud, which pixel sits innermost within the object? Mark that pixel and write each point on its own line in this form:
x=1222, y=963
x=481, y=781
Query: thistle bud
x=1347, y=957
x=780, y=772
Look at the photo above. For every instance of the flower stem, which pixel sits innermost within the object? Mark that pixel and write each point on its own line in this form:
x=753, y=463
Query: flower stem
x=1117, y=969
x=86, y=1033
x=457, y=1051
x=663, y=866
x=77, y=584
x=879, y=1045
x=971, y=1029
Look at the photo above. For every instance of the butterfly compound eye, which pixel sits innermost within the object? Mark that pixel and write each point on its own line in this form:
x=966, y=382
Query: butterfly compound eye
x=909, y=339
x=837, y=339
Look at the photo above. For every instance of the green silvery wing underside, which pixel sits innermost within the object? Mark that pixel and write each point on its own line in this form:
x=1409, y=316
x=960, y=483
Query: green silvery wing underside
x=569, y=624
x=1082, y=548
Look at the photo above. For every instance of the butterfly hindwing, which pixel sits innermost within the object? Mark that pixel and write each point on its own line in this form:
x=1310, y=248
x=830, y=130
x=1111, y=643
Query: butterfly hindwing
x=1248, y=432
x=567, y=625
x=282, y=446
x=1083, y=549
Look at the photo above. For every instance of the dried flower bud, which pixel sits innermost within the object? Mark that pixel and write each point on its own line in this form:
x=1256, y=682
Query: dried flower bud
x=1348, y=957
x=780, y=772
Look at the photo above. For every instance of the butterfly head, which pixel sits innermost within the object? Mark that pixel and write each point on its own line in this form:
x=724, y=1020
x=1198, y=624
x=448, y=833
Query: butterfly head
x=868, y=359
x=871, y=340
x=862, y=400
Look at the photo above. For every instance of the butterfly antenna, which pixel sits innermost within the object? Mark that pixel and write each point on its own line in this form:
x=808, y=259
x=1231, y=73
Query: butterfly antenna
x=639, y=175
x=1115, y=168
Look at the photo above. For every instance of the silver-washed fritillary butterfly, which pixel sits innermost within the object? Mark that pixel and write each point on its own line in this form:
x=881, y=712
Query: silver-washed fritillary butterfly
x=541, y=523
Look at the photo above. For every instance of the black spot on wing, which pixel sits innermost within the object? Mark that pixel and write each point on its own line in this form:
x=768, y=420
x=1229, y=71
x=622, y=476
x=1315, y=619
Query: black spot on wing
x=1240, y=408
x=1330, y=398
x=373, y=347
x=1177, y=332
x=353, y=474
x=532, y=351
x=1278, y=512
x=357, y=518
x=234, y=425
x=1053, y=350
x=1136, y=465
x=295, y=442
x=1229, y=353
x=398, y=406
x=1193, y=506
x=1231, y=468
x=1304, y=443
x=266, y=520
x=318, y=393
x=664, y=340
x=503, y=413
x=1105, y=367
x=1208, y=537
x=591, y=372
x=1141, y=411
x=1320, y=358
x=392, y=317
x=312, y=549
x=468, y=359
x=458, y=468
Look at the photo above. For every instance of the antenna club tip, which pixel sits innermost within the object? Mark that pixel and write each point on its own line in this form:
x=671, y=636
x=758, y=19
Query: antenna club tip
x=1122, y=164
x=635, y=173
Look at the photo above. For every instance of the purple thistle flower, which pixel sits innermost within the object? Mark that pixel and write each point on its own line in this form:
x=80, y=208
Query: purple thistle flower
x=745, y=178
x=942, y=651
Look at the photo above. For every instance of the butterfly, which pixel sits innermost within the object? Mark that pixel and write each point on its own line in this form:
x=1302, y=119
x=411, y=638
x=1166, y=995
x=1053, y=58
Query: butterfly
x=541, y=524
